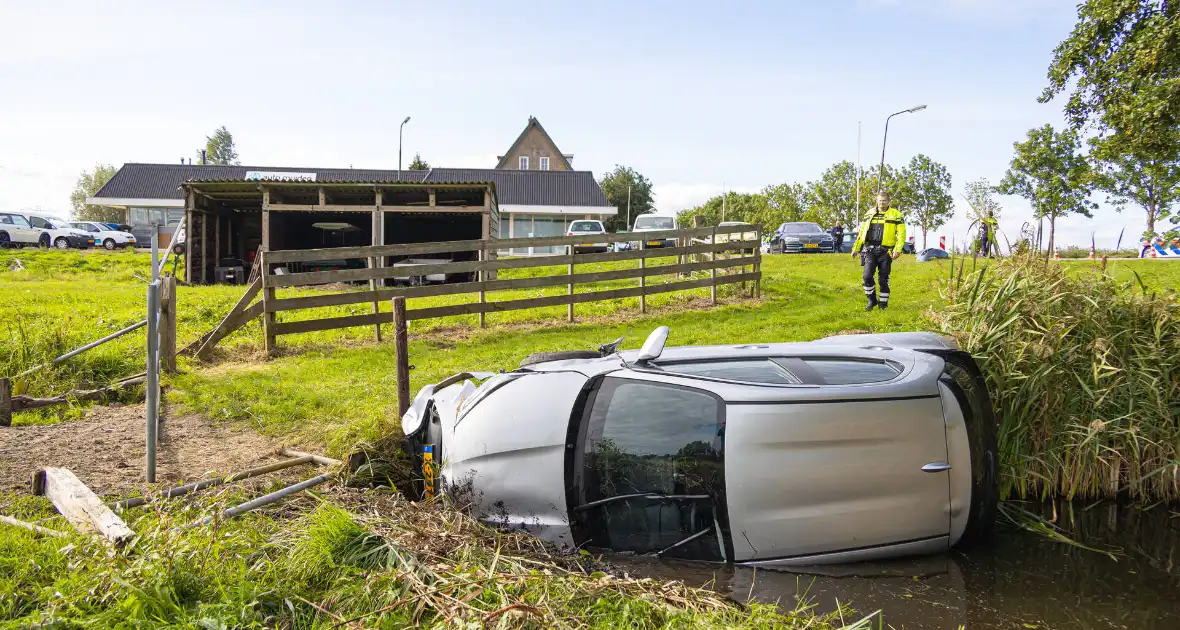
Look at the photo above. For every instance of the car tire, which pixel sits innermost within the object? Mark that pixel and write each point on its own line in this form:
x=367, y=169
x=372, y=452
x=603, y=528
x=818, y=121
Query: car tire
x=43, y=241
x=5, y=240
x=543, y=357
x=61, y=243
x=109, y=244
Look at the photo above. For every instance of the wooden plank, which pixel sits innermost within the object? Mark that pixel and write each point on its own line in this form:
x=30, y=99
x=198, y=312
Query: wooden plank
x=578, y=298
x=713, y=271
x=361, y=297
x=80, y=506
x=570, y=274
x=5, y=402
x=168, y=324
x=359, y=275
x=642, y=285
x=331, y=323
x=45, y=531
x=401, y=342
x=189, y=276
x=25, y=403
x=375, y=261
x=231, y=321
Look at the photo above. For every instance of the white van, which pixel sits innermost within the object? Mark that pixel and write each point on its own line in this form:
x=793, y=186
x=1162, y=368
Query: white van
x=654, y=223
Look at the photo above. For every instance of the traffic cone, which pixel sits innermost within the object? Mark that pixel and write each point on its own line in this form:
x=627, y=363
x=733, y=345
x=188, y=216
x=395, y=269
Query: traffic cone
x=1091, y=252
x=942, y=243
x=1056, y=253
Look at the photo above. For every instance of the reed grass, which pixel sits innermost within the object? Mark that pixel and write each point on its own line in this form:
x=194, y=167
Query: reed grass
x=1084, y=373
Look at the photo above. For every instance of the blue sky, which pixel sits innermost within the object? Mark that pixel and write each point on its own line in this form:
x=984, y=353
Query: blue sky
x=696, y=95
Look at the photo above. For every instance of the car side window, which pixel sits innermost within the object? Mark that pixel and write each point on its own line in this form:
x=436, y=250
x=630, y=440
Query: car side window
x=852, y=372
x=748, y=371
x=652, y=476
x=38, y=222
x=17, y=220
x=5, y=219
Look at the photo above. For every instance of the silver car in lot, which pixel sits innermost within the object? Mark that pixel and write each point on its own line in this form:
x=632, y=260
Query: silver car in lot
x=848, y=448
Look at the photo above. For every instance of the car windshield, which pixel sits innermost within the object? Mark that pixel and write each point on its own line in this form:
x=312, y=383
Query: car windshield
x=89, y=227
x=801, y=228
x=655, y=223
x=585, y=226
x=55, y=224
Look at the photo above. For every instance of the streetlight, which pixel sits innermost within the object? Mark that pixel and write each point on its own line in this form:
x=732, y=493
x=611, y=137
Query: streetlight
x=881, y=173
x=399, y=145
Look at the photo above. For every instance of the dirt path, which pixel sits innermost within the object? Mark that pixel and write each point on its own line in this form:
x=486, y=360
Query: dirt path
x=106, y=450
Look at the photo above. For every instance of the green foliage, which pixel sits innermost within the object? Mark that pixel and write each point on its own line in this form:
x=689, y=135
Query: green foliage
x=1048, y=171
x=1082, y=372
x=1130, y=175
x=981, y=199
x=418, y=164
x=89, y=183
x=832, y=199
x=927, y=192
x=1122, y=62
x=220, y=149
x=620, y=185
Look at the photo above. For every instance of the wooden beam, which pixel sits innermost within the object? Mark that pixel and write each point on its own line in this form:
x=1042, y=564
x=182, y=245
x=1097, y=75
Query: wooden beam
x=433, y=198
x=323, y=201
x=401, y=342
x=303, y=207
x=5, y=402
x=265, y=218
x=204, y=249
x=168, y=324
x=216, y=244
x=269, y=320
x=232, y=320
x=375, y=261
x=83, y=508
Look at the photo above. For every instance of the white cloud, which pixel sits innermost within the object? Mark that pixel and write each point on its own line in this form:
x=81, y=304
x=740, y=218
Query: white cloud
x=675, y=197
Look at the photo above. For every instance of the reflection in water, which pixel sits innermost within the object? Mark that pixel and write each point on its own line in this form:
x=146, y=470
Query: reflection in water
x=1021, y=580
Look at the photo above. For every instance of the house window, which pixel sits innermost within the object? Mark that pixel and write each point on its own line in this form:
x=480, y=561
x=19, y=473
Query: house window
x=524, y=162
x=544, y=163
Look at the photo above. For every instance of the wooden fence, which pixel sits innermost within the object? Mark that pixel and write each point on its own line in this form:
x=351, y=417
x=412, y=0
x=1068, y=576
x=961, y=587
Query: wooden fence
x=729, y=255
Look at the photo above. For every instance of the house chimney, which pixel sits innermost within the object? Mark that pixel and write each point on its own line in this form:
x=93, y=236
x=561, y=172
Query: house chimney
x=202, y=156
x=182, y=160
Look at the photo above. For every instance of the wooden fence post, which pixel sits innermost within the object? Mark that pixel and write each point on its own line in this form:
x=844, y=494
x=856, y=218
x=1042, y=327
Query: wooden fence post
x=713, y=268
x=570, y=306
x=643, y=284
x=483, y=279
x=401, y=345
x=5, y=402
x=758, y=262
x=268, y=296
x=168, y=324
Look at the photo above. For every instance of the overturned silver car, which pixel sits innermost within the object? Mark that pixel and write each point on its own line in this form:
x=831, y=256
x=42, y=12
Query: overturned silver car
x=849, y=448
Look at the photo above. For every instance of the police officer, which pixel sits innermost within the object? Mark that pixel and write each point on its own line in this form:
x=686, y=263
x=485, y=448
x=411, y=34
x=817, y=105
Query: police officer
x=838, y=237
x=882, y=237
x=987, y=233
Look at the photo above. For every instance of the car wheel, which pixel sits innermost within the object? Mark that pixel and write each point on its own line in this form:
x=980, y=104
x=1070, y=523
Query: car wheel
x=543, y=357
x=109, y=244
x=61, y=243
x=5, y=241
x=43, y=241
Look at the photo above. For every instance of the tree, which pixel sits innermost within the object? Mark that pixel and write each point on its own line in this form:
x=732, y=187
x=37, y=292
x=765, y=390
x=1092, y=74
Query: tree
x=220, y=149
x=615, y=185
x=1123, y=61
x=928, y=186
x=89, y=183
x=1151, y=182
x=418, y=164
x=833, y=198
x=1051, y=174
x=732, y=206
x=981, y=200
x=786, y=202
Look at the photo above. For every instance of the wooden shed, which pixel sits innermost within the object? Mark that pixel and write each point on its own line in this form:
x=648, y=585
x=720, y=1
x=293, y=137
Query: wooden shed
x=228, y=221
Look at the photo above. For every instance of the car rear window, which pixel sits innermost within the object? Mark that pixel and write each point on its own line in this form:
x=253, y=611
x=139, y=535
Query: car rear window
x=852, y=372
x=659, y=223
x=586, y=226
x=748, y=371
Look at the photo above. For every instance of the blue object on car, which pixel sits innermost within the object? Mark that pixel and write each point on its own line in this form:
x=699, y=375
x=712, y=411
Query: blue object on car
x=932, y=253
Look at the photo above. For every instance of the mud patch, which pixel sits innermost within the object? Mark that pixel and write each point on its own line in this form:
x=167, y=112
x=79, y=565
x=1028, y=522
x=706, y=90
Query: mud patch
x=106, y=450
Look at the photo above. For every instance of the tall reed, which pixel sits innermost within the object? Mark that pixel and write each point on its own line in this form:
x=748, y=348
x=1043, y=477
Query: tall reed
x=1084, y=372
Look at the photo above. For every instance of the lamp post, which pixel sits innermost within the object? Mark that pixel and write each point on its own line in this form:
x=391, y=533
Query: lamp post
x=881, y=173
x=399, y=147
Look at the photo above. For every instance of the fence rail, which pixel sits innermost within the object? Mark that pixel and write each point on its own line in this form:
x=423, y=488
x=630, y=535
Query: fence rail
x=732, y=250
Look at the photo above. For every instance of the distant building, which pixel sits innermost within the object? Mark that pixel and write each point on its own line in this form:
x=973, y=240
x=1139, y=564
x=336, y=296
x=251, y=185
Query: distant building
x=534, y=150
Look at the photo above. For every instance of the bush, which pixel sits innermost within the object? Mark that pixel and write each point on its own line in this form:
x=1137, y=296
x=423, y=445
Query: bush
x=1083, y=370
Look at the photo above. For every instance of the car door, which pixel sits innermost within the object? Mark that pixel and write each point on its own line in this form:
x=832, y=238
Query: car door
x=19, y=229
x=836, y=472
x=647, y=474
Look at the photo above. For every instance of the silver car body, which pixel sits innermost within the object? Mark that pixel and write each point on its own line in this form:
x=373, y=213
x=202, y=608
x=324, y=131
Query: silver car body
x=813, y=473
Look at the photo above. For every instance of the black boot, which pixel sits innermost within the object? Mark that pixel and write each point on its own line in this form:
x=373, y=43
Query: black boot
x=884, y=305
x=872, y=301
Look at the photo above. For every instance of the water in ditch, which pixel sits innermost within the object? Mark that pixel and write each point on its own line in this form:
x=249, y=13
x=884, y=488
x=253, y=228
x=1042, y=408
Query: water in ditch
x=1020, y=580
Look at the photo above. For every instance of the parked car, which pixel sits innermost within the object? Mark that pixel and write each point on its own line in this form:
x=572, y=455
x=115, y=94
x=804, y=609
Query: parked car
x=852, y=447
x=61, y=234
x=908, y=247
x=932, y=253
x=15, y=231
x=104, y=235
x=737, y=236
x=587, y=227
x=654, y=223
x=802, y=236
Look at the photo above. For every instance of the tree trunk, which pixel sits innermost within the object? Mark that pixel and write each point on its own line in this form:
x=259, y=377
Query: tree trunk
x=1052, y=231
x=1151, y=209
x=923, y=237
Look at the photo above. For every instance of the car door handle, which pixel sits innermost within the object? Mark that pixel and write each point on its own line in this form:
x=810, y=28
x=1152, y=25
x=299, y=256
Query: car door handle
x=936, y=467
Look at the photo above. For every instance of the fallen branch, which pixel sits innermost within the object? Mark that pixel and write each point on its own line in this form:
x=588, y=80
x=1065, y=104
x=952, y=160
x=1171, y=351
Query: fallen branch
x=524, y=607
x=81, y=507
x=24, y=403
x=217, y=481
x=318, y=459
x=31, y=527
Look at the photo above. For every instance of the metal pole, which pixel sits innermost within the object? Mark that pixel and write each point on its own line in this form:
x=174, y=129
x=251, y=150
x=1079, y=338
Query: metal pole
x=265, y=499
x=858, y=206
x=155, y=252
x=628, y=206
x=216, y=481
x=881, y=173
x=74, y=353
x=153, y=376
x=399, y=147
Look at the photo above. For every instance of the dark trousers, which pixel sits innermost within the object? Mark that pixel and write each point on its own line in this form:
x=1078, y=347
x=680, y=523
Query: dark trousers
x=877, y=260
x=985, y=246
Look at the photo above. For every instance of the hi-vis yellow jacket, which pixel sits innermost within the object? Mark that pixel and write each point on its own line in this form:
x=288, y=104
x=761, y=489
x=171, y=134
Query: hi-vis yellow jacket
x=889, y=226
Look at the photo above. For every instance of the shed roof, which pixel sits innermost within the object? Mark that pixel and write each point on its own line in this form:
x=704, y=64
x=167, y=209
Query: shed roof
x=533, y=188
